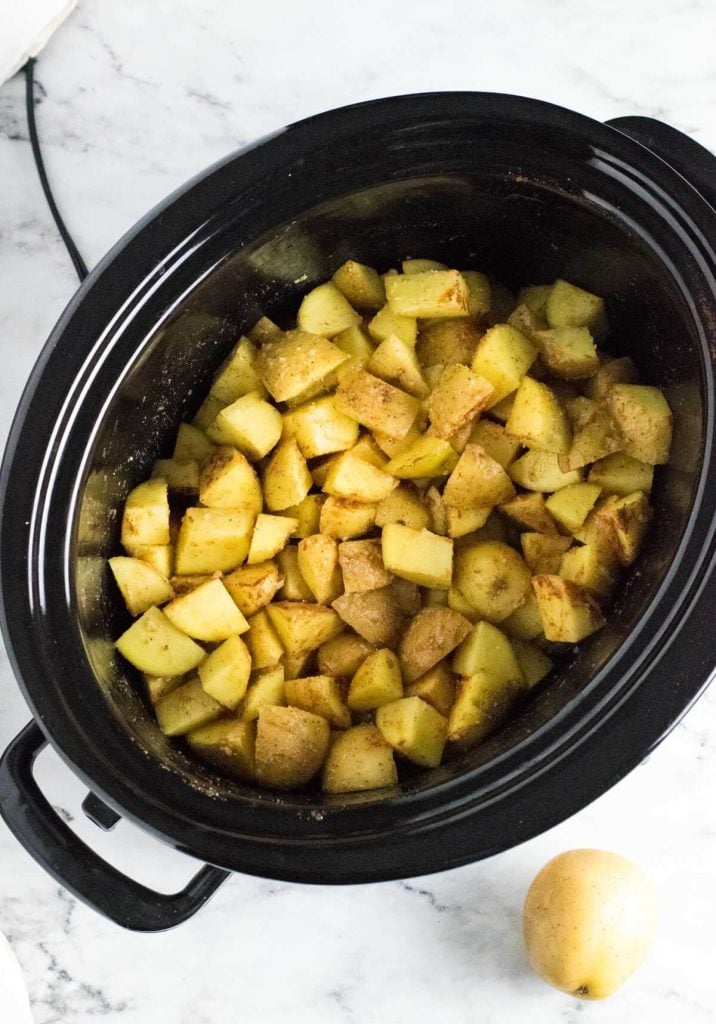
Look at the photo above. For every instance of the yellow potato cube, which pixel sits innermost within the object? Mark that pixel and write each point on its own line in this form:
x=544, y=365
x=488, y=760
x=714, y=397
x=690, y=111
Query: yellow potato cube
x=525, y=623
x=621, y=475
x=319, y=428
x=207, y=412
x=378, y=681
x=457, y=398
x=534, y=297
x=293, y=363
x=644, y=418
x=596, y=437
x=503, y=357
x=269, y=537
x=262, y=640
x=159, y=556
x=181, y=476
x=264, y=330
x=443, y=342
x=417, y=555
x=403, y=505
x=414, y=729
x=362, y=566
x=359, y=759
x=186, y=708
x=569, y=306
x=213, y=540
x=226, y=745
x=140, y=584
x=387, y=322
x=569, y=352
x=611, y=372
x=146, y=515
x=433, y=634
x=207, y=613
x=303, y=627
x=538, y=419
x=529, y=512
x=326, y=311
x=321, y=695
x=477, y=481
x=592, y=567
x=375, y=404
x=318, y=564
x=461, y=521
x=343, y=656
x=436, y=687
x=539, y=471
x=307, y=514
x=351, y=477
x=571, y=505
x=361, y=285
x=155, y=646
x=424, y=457
x=495, y=441
x=534, y=663
x=492, y=578
x=358, y=347
x=224, y=675
x=286, y=478
x=482, y=703
x=344, y=519
x=629, y=519
x=251, y=424
x=543, y=552
x=252, y=587
x=192, y=444
x=294, y=586
x=395, y=361
x=569, y=613
x=433, y=293
x=479, y=292
x=291, y=746
x=374, y=614
x=486, y=649
x=237, y=376
x=229, y=481
x=267, y=690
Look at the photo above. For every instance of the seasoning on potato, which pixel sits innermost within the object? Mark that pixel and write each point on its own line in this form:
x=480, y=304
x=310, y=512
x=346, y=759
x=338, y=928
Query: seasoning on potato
x=368, y=545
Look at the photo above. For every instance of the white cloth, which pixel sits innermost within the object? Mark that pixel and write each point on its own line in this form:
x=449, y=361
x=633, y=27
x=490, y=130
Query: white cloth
x=14, y=1001
x=25, y=27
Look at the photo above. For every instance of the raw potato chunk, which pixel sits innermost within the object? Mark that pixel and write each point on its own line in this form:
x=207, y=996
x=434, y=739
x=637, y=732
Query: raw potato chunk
x=294, y=586
x=357, y=346
x=295, y=362
x=207, y=613
x=212, y=540
x=359, y=759
x=477, y=481
x=303, y=627
x=155, y=646
x=386, y=323
x=264, y=330
x=318, y=563
x=186, y=708
x=503, y=358
x=417, y=555
x=571, y=505
x=457, y=398
x=343, y=656
x=404, y=506
x=182, y=477
x=146, y=515
x=592, y=567
x=461, y=521
x=539, y=471
x=351, y=477
x=482, y=703
x=494, y=441
x=378, y=681
x=227, y=745
x=192, y=444
x=598, y=527
x=543, y=552
x=229, y=481
x=263, y=643
x=492, y=578
x=267, y=690
x=438, y=511
x=436, y=687
x=644, y=418
x=413, y=729
x=535, y=297
x=501, y=411
x=486, y=649
x=287, y=479
x=238, y=375
x=140, y=584
x=433, y=634
x=373, y=614
x=251, y=424
x=621, y=475
x=447, y=341
x=326, y=311
x=159, y=556
x=269, y=537
x=224, y=674
x=321, y=695
x=479, y=292
x=534, y=663
x=375, y=404
x=343, y=519
x=319, y=428
x=529, y=511
x=614, y=371
x=597, y=436
x=569, y=306
x=160, y=686
x=362, y=566
x=527, y=322
x=361, y=285
x=307, y=514
x=628, y=518
x=538, y=419
x=426, y=456
x=569, y=613
x=569, y=352
x=291, y=746
x=395, y=361
x=253, y=586
x=207, y=412
x=434, y=293
x=525, y=623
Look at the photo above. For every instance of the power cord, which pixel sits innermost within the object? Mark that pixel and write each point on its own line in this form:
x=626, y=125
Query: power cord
x=74, y=253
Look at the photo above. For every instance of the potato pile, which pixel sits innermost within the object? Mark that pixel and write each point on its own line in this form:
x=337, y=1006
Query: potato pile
x=381, y=523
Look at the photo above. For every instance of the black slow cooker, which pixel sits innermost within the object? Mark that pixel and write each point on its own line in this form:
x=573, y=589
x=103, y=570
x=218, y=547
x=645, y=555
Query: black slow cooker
x=522, y=189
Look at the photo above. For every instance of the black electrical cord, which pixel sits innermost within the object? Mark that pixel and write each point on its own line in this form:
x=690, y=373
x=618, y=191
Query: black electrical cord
x=79, y=264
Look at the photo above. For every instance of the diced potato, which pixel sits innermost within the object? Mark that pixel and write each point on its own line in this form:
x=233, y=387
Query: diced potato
x=571, y=505
x=269, y=537
x=181, y=476
x=253, y=586
x=213, y=540
x=326, y=311
x=460, y=439
x=596, y=437
x=159, y=556
x=644, y=418
x=405, y=506
x=318, y=563
x=543, y=552
x=378, y=681
x=207, y=613
x=436, y=687
x=457, y=602
x=186, y=708
x=351, y=477
x=614, y=371
x=501, y=411
x=321, y=695
x=291, y=746
x=433, y=293
x=287, y=479
x=362, y=286
x=140, y=584
x=503, y=358
x=477, y=481
x=374, y=614
x=629, y=519
x=457, y=398
x=447, y=341
x=307, y=514
x=303, y=627
x=224, y=674
x=527, y=322
x=482, y=703
x=387, y=322
x=155, y=646
x=569, y=352
x=461, y=521
x=525, y=623
x=621, y=475
x=366, y=449
x=344, y=519
x=207, y=412
x=294, y=586
x=592, y=567
x=414, y=729
x=320, y=469
x=437, y=511
x=492, y=578
x=226, y=745
x=343, y=656
x=295, y=362
x=539, y=471
x=238, y=374
x=569, y=613
x=362, y=566
x=529, y=512
x=264, y=330
x=569, y=306
x=375, y=404
x=251, y=424
x=192, y=444
x=358, y=347
x=229, y=481
x=538, y=419
x=267, y=690
x=598, y=527
x=319, y=428
x=495, y=441
x=535, y=296
x=263, y=642
x=417, y=555
x=479, y=297
x=486, y=649
x=424, y=457
x=296, y=666
x=159, y=686
x=185, y=584
x=359, y=759
x=146, y=515
x=534, y=663
x=433, y=634
x=420, y=266
x=395, y=361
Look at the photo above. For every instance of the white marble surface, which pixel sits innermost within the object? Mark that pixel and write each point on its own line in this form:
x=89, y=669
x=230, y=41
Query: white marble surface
x=137, y=97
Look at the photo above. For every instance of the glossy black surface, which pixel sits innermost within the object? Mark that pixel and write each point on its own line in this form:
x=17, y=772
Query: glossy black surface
x=524, y=190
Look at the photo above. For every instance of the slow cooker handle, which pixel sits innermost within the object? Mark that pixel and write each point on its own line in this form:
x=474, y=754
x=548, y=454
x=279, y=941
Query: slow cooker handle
x=693, y=161
x=76, y=867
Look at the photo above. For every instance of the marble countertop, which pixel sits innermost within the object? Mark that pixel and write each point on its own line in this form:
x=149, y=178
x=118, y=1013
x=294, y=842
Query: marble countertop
x=136, y=98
